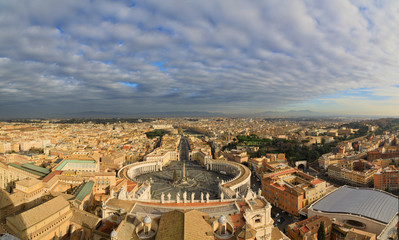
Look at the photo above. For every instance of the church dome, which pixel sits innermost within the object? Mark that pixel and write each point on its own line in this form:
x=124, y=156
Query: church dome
x=114, y=234
x=147, y=219
x=222, y=219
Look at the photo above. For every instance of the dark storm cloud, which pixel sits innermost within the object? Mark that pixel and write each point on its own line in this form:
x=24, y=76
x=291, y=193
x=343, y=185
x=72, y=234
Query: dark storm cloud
x=60, y=56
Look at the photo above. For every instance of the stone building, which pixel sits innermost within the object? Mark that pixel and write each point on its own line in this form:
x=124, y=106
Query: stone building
x=358, y=172
x=308, y=228
x=28, y=193
x=47, y=221
x=247, y=218
x=12, y=172
x=291, y=189
x=387, y=179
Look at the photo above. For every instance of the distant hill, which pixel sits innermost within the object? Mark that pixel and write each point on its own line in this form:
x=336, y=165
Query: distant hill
x=205, y=114
x=292, y=113
x=384, y=124
x=92, y=114
x=99, y=114
x=182, y=114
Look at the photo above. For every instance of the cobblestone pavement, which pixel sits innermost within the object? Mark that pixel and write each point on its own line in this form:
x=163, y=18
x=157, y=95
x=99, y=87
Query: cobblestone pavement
x=199, y=180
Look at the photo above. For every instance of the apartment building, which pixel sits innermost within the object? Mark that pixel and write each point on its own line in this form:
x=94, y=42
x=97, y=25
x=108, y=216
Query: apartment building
x=162, y=155
x=5, y=147
x=308, y=228
x=358, y=172
x=168, y=151
x=374, y=155
x=235, y=155
x=387, y=179
x=291, y=189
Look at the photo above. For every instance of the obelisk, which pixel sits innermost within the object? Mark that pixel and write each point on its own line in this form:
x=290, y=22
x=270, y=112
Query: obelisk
x=184, y=170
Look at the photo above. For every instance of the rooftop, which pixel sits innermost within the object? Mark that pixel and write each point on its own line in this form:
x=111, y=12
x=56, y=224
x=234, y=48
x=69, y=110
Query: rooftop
x=36, y=168
x=63, y=163
x=51, y=175
x=366, y=202
x=84, y=218
x=37, y=214
x=28, y=168
x=84, y=190
x=355, y=234
x=189, y=225
x=28, y=182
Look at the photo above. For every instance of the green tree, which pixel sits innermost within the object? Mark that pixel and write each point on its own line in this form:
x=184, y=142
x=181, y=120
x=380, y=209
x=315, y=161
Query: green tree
x=321, y=233
x=250, y=166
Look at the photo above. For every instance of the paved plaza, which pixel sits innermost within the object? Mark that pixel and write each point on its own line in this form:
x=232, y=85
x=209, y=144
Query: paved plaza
x=198, y=180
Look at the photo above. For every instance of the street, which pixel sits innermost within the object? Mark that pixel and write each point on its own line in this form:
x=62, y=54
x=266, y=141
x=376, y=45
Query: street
x=288, y=218
x=284, y=218
x=255, y=182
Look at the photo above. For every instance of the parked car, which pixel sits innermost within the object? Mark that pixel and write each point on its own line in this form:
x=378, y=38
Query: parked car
x=277, y=214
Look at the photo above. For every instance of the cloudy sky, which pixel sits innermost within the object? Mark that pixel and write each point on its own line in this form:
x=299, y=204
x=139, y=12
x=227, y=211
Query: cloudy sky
x=68, y=56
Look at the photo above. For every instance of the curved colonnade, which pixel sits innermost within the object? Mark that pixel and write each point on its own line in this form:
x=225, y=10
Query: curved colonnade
x=233, y=188
x=236, y=186
x=132, y=170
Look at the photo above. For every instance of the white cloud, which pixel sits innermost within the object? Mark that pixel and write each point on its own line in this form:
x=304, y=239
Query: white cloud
x=216, y=55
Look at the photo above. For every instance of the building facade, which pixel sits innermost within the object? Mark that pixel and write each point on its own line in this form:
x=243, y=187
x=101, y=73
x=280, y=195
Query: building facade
x=308, y=228
x=50, y=220
x=387, y=179
x=365, y=209
x=358, y=172
x=291, y=189
x=12, y=172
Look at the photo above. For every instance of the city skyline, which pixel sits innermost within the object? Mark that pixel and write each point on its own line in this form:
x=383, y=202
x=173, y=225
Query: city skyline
x=128, y=57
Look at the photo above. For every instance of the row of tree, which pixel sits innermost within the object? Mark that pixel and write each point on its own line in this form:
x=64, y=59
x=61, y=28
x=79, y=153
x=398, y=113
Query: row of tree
x=102, y=120
x=156, y=133
x=294, y=150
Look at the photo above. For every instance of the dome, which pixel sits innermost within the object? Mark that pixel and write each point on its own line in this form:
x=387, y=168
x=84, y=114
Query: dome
x=147, y=219
x=114, y=234
x=222, y=219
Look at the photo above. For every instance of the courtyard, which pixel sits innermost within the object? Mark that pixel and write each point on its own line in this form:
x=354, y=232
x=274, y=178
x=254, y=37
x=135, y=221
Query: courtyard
x=198, y=180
